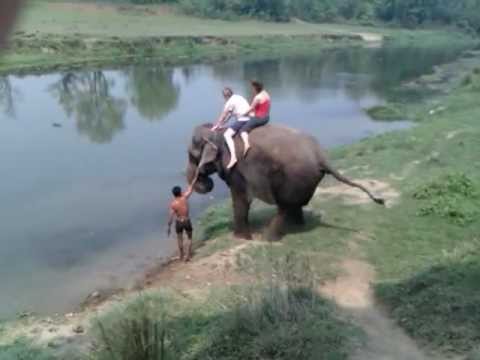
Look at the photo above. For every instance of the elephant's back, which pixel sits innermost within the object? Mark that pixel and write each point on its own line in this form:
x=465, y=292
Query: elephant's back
x=281, y=140
x=285, y=161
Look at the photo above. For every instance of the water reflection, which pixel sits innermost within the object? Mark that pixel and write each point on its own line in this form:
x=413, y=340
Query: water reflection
x=385, y=68
x=152, y=91
x=6, y=97
x=86, y=97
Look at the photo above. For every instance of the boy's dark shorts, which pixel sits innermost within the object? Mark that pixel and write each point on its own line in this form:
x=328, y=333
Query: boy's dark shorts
x=184, y=225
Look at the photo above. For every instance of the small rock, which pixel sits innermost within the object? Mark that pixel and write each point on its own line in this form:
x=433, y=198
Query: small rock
x=52, y=330
x=94, y=295
x=69, y=315
x=36, y=331
x=188, y=277
x=55, y=344
x=79, y=329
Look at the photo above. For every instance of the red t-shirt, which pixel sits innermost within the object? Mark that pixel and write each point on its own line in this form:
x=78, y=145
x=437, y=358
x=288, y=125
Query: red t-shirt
x=262, y=104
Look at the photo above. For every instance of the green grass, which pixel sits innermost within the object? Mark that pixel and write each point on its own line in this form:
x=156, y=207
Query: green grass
x=429, y=236
x=440, y=306
x=282, y=319
x=22, y=349
x=425, y=249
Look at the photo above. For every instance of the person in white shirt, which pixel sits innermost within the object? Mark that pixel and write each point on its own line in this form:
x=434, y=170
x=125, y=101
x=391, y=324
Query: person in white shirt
x=236, y=106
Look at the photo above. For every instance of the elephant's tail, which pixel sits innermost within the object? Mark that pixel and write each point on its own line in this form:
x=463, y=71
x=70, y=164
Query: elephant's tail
x=345, y=180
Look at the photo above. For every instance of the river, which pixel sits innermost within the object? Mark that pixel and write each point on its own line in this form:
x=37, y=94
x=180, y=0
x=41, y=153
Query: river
x=88, y=158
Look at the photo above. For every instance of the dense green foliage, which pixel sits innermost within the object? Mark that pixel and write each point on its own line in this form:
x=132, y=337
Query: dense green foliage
x=452, y=197
x=462, y=13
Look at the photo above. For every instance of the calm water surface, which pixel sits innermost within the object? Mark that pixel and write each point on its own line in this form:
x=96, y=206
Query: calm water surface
x=87, y=159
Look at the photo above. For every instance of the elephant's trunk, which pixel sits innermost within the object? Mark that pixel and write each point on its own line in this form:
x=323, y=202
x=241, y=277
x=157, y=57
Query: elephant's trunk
x=204, y=184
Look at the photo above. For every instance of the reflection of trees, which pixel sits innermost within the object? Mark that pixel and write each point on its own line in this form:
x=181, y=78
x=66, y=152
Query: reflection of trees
x=354, y=70
x=86, y=97
x=267, y=71
x=6, y=96
x=152, y=91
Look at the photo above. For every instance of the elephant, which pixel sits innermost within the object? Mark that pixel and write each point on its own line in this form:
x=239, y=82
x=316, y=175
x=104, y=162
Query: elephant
x=283, y=168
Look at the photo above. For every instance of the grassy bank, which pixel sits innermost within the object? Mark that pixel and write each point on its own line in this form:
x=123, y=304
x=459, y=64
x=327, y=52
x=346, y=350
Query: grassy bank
x=53, y=35
x=425, y=246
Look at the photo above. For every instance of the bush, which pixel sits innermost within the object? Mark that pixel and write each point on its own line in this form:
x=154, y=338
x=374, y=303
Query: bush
x=279, y=323
x=385, y=113
x=138, y=332
x=411, y=13
x=452, y=197
x=272, y=10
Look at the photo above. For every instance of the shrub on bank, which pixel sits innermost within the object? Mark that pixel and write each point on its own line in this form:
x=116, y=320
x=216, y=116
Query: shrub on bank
x=453, y=197
x=268, y=323
x=385, y=113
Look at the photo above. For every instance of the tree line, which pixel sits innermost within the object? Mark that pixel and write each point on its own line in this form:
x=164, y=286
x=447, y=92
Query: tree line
x=412, y=13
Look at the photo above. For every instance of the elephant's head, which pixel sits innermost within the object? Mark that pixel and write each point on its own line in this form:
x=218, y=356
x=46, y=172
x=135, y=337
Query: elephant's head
x=204, y=158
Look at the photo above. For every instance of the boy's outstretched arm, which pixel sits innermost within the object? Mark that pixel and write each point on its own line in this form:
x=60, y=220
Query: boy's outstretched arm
x=189, y=191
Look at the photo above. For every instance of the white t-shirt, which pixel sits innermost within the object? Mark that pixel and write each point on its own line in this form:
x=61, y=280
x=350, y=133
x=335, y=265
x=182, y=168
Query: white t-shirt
x=237, y=105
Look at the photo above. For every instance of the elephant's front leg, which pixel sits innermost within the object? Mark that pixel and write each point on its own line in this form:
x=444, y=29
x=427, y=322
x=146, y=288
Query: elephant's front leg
x=241, y=208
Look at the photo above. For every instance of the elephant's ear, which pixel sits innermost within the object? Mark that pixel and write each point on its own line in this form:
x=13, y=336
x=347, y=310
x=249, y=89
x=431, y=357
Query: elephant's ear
x=209, y=153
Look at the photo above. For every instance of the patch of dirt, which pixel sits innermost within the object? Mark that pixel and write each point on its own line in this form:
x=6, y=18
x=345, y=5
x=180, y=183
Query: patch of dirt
x=199, y=275
x=371, y=37
x=406, y=171
x=352, y=292
x=352, y=288
x=354, y=196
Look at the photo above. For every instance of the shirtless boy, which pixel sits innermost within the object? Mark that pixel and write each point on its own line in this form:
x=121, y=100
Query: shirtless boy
x=179, y=211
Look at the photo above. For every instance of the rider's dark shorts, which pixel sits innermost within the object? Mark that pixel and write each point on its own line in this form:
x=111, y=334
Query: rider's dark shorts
x=238, y=125
x=255, y=122
x=184, y=225
x=247, y=126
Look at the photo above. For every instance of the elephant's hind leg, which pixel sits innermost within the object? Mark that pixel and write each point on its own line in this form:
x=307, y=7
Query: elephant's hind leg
x=285, y=218
x=295, y=216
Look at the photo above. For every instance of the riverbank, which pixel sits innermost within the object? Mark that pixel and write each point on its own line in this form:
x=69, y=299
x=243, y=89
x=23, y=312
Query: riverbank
x=421, y=249
x=53, y=35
